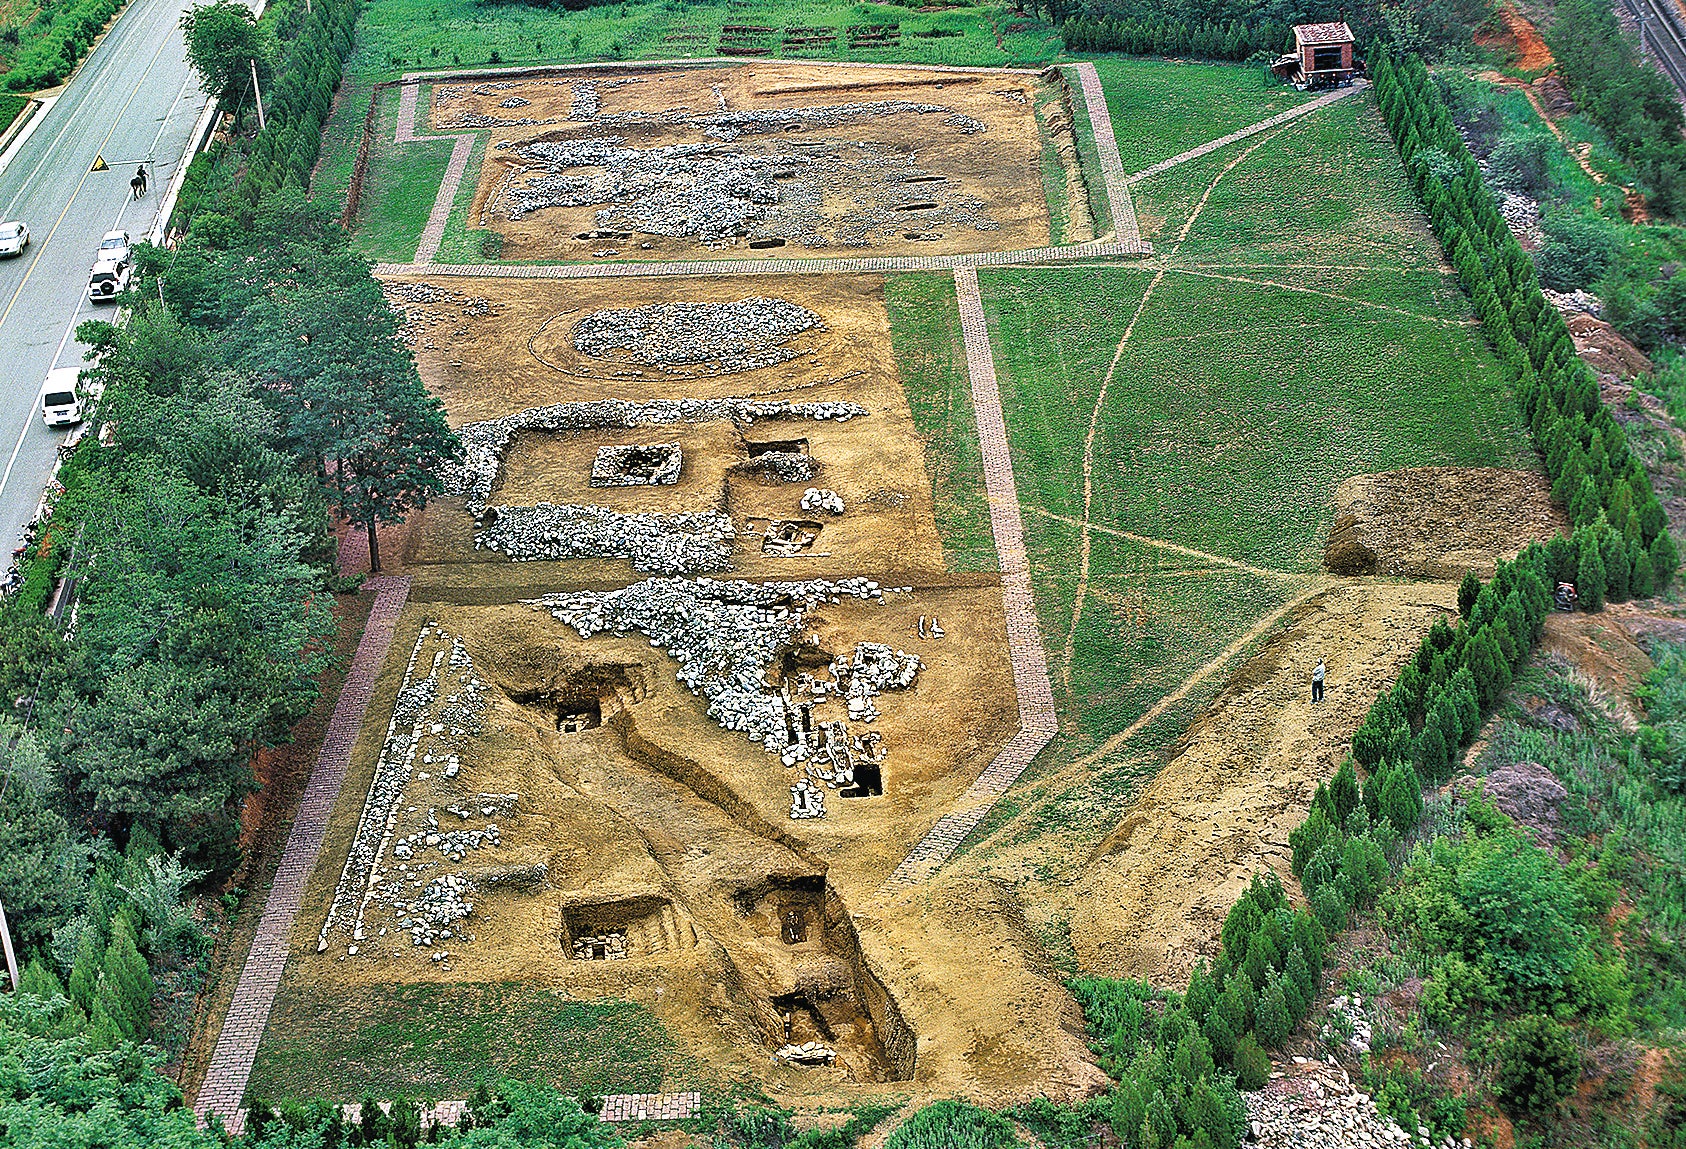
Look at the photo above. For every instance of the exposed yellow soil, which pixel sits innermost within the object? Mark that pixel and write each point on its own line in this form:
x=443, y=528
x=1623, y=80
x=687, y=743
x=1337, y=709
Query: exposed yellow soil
x=1157, y=890
x=1438, y=522
x=999, y=166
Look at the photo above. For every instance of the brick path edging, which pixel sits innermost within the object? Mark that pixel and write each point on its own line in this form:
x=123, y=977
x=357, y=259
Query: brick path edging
x=1112, y=166
x=1037, y=720
x=617, y=1108
x=254, y=995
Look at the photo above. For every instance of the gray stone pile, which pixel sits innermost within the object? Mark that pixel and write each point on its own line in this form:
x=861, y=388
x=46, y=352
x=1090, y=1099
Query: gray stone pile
x=485, y=442
x=585, y=104
x=722, y=338
x=725, y=636
x=1313, y=1105
x=515, y=102
x=485, y=805
x=1348, y=1022
x=807, y=1053
x=785, y=466
x=453, y=844
x=675, y=190
x=434, y=913
x=440, y=705
x=784, y=190
x=684, y=543
x=822, y=499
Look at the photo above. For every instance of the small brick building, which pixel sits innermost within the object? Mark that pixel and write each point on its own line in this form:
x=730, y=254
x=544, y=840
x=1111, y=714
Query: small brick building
x=1322, y=56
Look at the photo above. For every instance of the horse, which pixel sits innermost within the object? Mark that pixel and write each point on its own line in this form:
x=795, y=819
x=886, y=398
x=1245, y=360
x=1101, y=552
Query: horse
x=137, y=185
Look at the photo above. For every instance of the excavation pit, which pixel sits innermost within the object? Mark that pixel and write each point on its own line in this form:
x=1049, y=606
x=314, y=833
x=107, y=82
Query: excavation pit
x=778, y=446
x=618, y=930
x=789, y=537
x=637, y=465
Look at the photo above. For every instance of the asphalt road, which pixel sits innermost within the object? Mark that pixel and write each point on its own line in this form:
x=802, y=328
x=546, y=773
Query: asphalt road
x=132, y=100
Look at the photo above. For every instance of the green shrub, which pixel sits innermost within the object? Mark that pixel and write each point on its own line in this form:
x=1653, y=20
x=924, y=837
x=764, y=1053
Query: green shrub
x=1252, y=1064
x=953, y=1125
x=1538, y=1064
x=1578, y=250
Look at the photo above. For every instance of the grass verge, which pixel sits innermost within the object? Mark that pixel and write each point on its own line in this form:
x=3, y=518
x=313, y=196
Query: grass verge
x=931, y=356
x=434, y=1039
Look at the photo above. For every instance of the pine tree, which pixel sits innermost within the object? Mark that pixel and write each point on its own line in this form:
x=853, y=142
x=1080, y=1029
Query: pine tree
x=1343, y=790
x=1402, y=798
x=1468, y=589
x=1589, y=571
x=126, y=986
x=1272, y=1021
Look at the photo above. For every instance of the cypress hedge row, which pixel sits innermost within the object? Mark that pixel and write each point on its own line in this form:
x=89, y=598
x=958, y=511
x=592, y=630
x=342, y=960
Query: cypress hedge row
x=314, y=42
x=1210, y=40
x=1594, y=475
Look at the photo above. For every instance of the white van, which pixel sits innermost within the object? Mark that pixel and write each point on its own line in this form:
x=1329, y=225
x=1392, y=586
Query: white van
x=61, y=402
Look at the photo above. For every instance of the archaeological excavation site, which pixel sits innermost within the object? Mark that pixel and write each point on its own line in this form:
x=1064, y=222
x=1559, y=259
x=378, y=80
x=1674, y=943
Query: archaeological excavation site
x=773, y=159
x=684, y=677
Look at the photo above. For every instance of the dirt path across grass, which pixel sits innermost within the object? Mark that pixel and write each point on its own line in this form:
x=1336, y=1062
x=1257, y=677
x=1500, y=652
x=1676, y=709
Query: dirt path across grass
x=1250, y=130
x=248, y=1015
x=1085, y=547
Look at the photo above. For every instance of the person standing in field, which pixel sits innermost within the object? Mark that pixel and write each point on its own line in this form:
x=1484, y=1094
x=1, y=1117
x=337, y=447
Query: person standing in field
x=1317, y=681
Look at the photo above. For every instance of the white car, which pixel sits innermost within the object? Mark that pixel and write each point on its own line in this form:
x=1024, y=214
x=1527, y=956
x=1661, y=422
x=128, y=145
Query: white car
x=114, y=245
x=14, y=237
x=61, y=402
x=107, y=281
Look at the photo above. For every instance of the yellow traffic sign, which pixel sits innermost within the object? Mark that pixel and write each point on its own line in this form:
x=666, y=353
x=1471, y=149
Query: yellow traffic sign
x=99, y=164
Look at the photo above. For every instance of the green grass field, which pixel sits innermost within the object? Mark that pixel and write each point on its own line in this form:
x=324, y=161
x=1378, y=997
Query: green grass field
x=930, y=354
x=435, y=1039
x=1304, y=331
x=1162, y=108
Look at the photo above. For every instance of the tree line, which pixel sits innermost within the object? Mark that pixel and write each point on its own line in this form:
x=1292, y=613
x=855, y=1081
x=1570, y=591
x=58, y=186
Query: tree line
x=257, y=387
x=1635, y=104
x=1239, y=29
x=1594, y=474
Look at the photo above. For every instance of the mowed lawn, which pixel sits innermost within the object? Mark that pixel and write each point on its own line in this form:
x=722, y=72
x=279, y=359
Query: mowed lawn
x=435, y=1039
x=1303, y=332
x=1161, y=109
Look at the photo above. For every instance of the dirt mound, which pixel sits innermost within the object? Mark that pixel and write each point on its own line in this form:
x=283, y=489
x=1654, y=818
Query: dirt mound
x=1159, y=886
x=1602, y=347
x=1526, y=792
x=1437, y=522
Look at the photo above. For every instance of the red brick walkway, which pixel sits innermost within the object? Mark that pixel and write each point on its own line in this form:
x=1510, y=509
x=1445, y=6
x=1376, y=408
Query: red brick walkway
x=254, y=995
x=1037, y=721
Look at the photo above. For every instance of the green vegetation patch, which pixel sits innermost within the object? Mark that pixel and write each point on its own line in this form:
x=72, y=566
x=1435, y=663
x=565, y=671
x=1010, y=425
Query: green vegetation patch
x=399, y=35
x=1236, y=407
x=931, y=356
x=435, y=1039
x=1161, y=109
x=400, y=187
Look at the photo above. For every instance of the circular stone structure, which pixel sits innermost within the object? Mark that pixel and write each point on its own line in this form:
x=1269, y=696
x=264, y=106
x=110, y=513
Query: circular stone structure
x=697, y=338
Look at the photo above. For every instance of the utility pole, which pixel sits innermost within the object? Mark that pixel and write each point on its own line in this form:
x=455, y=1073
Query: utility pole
x=11, y=958
x=259, y=92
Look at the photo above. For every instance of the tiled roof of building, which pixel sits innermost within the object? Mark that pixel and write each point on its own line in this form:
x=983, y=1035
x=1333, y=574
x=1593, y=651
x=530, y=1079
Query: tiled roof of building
x=1334, y=33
